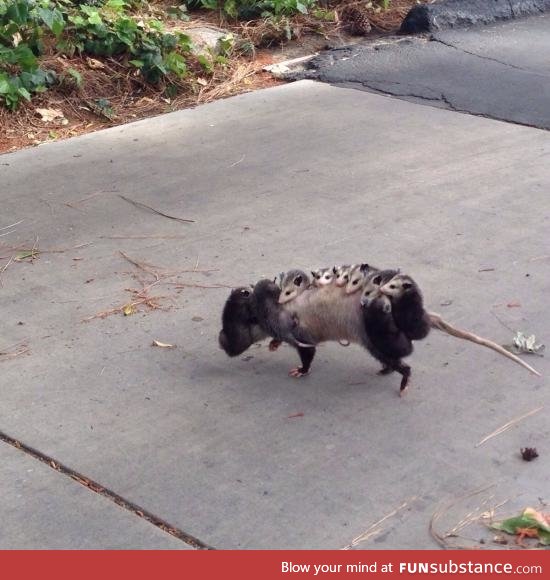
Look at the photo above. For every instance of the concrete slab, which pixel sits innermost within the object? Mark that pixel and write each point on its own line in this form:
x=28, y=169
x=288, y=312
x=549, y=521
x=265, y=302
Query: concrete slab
x=300, y=175
x=42, y=509
x=498, y=71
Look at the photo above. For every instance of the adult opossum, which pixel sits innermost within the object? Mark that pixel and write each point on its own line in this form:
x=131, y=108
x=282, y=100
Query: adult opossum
x=335, y=316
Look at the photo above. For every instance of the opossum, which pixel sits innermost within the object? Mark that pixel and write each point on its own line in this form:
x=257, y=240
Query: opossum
x=240, y=327
x=273, y=319
x=407, y=306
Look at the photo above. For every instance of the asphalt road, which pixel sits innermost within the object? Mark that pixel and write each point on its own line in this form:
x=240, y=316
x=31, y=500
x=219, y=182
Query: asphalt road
x=233, y=451
x=500, y=71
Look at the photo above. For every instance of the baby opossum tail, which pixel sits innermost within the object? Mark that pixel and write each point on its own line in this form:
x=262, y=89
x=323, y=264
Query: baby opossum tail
x=438, y=322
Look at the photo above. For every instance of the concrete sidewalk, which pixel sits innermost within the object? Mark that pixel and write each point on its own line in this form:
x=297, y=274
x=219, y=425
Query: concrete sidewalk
x=300, y=175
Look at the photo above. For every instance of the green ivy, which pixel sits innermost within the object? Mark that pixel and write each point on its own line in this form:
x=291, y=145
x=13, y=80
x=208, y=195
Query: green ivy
x=95, y=27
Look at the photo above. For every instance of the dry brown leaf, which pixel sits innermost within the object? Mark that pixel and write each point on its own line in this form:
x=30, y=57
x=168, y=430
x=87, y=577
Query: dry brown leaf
x=162, y=344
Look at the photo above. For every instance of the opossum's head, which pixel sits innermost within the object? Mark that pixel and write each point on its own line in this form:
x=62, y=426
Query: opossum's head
x=341, y=275
x=293, y=284
x=371, y=289
x=373, y=283
x=357, y=277
x=322, y=277
x=399, y=286
x=240, y=295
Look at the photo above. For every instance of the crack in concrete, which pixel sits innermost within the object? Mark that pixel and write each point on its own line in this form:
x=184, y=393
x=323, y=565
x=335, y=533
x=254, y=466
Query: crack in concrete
x=489, y=58
x=105, y=492
x=441, y=98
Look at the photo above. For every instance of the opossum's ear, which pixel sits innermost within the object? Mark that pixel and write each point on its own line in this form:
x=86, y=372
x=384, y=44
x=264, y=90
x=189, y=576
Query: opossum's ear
x=407, y=285
x=377, y=280
x=298, y=280
x=312, y=273
x=364, y=267
x=334, y=269
x=245, y=292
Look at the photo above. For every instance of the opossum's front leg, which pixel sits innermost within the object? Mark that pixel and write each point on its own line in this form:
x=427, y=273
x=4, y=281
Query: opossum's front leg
x=306, y=357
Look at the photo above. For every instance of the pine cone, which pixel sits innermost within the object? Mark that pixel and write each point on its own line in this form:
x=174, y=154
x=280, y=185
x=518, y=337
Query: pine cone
x=355, y=20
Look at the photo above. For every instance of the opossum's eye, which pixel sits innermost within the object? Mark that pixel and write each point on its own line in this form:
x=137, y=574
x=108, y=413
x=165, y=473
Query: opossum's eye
x=355, y=282
x=288, y=292
x=393, y=286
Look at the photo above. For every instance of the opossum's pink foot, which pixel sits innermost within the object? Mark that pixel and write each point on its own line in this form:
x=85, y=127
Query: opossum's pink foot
x=297, y=373
x=274, y=345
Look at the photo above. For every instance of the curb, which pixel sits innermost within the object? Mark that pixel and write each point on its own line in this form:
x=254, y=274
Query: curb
x=460, y=13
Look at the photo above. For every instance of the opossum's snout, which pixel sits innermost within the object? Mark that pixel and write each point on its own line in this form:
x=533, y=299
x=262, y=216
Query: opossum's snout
x=285, y=297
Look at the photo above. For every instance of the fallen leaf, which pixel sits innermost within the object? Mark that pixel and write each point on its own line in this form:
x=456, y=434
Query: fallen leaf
x=48, y=115
x=514, y=304
x=94, y=63
x=527, y=344
x=162, y=344
x=129, y=309
x=197, y=319
x=528, y=453
x=25, y=255
x=531, y=523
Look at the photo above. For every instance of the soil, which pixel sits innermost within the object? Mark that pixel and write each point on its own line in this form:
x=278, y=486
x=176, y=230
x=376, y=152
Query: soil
x=111, y=95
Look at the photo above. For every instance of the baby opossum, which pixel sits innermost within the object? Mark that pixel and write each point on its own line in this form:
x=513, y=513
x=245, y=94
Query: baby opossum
x=341, y=275
x=322, y=277
x=293, y=283
x=407, y=306
x=239, y=324
x=358, y=275
x=273, y=319
x=386, y=342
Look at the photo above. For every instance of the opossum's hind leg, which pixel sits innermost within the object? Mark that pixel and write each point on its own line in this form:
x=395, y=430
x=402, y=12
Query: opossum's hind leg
x=306, y=358
x=391, y=365
x=405, y=372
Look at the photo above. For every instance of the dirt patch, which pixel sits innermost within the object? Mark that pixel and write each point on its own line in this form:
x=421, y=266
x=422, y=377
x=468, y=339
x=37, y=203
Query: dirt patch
x=111, y=94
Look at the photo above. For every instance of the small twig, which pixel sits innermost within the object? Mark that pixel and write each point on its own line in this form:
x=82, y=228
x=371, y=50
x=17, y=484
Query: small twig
x=155, y=237
x=371, y=530
x=142, y=266
x=506, y=426
x=16, y=349
x=84, y=199
x=190, y=285
x=148, y=207
x=441, y=538
x=4, y=269
x=11, y=225
x=237, y=162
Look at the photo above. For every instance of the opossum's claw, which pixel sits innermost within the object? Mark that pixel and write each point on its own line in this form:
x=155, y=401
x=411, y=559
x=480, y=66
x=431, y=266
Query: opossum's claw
x=297, y=373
